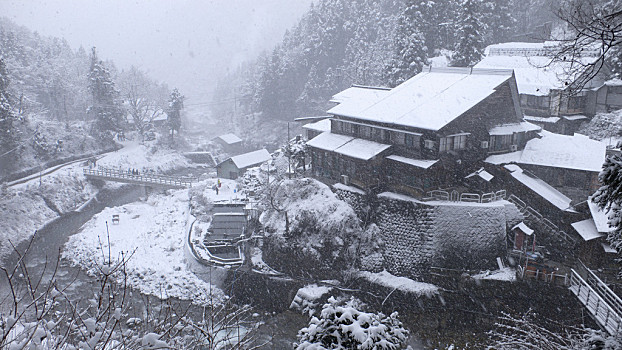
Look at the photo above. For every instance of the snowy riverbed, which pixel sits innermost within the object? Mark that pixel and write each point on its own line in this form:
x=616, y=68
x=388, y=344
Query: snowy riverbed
x=155, y=228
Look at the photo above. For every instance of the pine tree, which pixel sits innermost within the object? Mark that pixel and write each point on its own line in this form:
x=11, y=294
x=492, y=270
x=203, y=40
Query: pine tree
x=8, y=134
x=345, y=327
x=609, y=198
x=106, y=109
x=410, y=51
x=470, y=45
x=175, y=105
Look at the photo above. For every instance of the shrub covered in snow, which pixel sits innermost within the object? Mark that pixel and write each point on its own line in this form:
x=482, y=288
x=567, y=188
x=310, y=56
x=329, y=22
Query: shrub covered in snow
x=345, y=327
x=604, y=126
x=309, y=229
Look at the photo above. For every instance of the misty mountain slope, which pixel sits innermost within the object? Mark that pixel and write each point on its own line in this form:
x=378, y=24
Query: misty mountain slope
x=48, y=98
x=339, y=43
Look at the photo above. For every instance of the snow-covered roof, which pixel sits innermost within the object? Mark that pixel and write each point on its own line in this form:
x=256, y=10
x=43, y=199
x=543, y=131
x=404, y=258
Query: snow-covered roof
x=574, y=117
x=535, y=75
x=587, y=230
x=321, y=125
x=359, y=93
x=608, y=249
x=551, y=120
x=481, y=173
x=509, y=129
x=504, y=158
x=160, y=117
x=562, y=151
x=599, y=216
x=614, y=82
x=526, y=229
x=419, y=163
x=252, y=158
x=429, y=100
x=540, y=188
x=347, y=145
x=362, y=149
x=229, y=138
x=328, y=141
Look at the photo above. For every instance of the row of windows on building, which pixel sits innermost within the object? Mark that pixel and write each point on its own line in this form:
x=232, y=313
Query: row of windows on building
x=449, y=143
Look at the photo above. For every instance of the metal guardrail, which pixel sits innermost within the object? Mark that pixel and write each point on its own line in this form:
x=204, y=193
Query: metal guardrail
x=531, y=213
x=454, y=196
x=144, y=178
x=599, y=300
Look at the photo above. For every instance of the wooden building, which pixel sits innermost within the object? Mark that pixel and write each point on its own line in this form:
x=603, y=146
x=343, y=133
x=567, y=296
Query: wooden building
x=542, y=85
x=230, y=143
x=234, y=167
x=430, y=131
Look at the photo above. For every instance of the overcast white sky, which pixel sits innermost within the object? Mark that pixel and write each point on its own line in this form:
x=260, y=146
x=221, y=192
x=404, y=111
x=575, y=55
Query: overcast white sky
x=187, y=43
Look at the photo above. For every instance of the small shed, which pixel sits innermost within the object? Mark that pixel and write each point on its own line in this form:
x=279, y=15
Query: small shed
x=230, y=143
x=522, y=235
x=234, y=167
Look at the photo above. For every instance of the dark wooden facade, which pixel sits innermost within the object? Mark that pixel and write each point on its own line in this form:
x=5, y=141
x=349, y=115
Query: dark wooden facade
x=460, y=146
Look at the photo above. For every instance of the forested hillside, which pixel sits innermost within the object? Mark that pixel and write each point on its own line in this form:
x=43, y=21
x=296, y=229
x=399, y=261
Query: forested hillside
x=339, y=43
x=47, y=89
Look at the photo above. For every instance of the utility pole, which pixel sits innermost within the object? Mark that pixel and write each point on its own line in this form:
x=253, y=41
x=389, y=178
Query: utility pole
x=289, y=155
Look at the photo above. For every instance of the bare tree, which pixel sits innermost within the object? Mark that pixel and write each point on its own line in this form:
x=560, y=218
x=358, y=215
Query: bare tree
x=592, y=39
x=39, y=312
x=525, y=333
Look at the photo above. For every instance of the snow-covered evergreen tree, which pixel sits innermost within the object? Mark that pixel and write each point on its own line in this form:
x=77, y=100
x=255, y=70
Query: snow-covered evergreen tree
x=173, y=113
x=106, y=109
x=8, y=135
x=469, y=47
x=345, y=327
x=609, y=197
x=410, y=50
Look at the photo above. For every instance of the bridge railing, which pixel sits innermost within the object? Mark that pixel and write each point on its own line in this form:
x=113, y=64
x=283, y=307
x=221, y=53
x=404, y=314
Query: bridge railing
x=145, y=178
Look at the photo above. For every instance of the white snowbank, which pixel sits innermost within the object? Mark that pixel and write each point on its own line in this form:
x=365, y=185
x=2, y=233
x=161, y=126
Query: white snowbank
x=23, y=209
x=155, y=231
x=403, y=284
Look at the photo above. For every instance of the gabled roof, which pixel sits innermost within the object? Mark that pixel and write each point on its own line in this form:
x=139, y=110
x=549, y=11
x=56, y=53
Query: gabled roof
x=252, y=158
x=526, y=229
x=429, y=100
x=229, y=138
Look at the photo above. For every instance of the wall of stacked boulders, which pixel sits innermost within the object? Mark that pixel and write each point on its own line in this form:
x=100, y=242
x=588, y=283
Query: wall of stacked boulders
x=419, y=235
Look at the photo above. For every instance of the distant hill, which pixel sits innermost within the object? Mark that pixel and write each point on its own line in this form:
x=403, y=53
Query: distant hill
x=338, y=43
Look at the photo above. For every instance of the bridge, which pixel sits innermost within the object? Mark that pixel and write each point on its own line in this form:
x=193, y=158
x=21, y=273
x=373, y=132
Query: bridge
x=151, y=180
x=601, y=302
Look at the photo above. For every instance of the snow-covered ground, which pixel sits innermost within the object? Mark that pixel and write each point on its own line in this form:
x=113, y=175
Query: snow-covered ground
x=155, y=233
x=23, y=207
x=504, y=274
x=403, y=284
